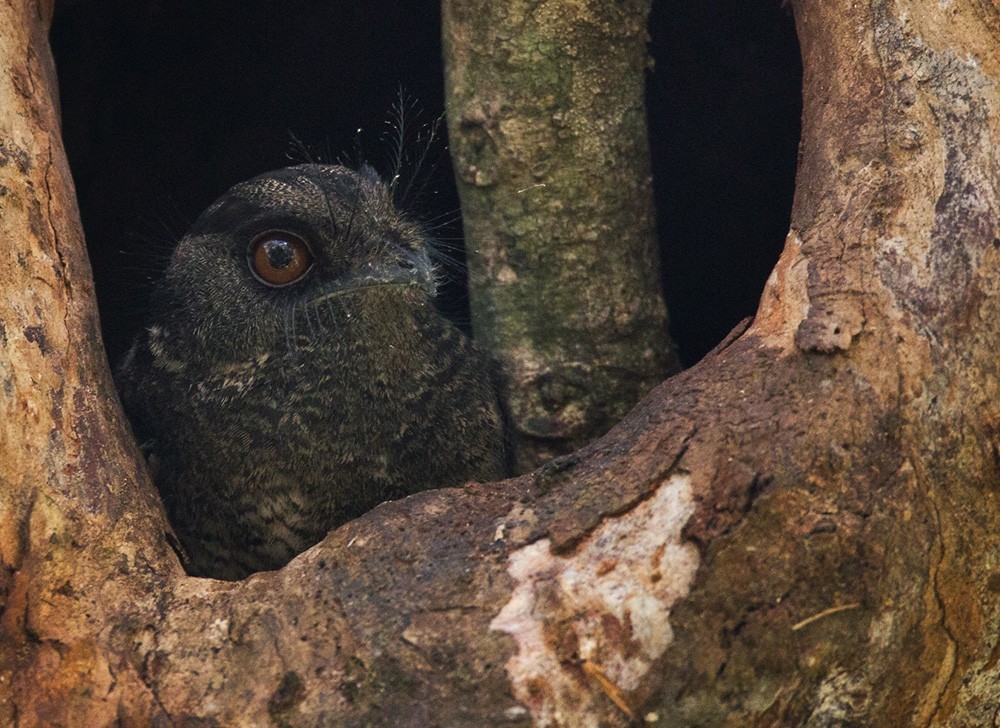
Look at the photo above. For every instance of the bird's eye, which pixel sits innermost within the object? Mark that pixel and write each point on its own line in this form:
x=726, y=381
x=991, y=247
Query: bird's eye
x=279, y=259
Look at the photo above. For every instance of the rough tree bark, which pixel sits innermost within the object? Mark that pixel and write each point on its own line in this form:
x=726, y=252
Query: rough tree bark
x=800, y=530
x=552, y=163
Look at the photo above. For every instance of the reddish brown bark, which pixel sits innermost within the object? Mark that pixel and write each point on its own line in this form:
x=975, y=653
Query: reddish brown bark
x=800, y=530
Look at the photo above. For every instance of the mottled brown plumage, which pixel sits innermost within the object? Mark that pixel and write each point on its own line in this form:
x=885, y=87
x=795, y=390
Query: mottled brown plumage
x=277, y=413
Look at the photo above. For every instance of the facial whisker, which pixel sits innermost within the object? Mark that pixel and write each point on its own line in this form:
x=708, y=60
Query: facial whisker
x=284, y=323
x=309, y=323
x=397, y=123
x=350, y=219
x=319, y=320
x=431, y=135
x=443, y=220
x=292, y=333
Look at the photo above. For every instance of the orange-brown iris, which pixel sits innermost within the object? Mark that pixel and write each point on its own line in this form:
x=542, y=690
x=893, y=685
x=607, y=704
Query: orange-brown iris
x=279, y=258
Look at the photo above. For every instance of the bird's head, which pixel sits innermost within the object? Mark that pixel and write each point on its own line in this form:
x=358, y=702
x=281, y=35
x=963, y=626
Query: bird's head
x=277, y=257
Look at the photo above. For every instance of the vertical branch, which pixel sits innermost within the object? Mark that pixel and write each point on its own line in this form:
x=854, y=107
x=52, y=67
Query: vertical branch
x=548, y=136
x=78, y=518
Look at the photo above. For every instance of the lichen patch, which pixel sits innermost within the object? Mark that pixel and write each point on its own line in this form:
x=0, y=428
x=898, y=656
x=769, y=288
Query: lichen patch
x=605, y=606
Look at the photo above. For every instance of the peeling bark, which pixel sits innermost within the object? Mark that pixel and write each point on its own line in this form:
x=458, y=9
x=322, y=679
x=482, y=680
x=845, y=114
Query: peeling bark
x=800, y=530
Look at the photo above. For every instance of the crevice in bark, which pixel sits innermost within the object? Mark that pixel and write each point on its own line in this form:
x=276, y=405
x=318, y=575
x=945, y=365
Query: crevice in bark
x=941, y=691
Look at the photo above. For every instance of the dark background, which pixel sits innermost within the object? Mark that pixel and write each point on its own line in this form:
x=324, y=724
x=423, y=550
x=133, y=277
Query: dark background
x=167, y=103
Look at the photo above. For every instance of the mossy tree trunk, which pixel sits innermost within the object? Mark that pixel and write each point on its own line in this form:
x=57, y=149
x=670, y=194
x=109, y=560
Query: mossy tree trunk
x=548, y=134
x=801, y=530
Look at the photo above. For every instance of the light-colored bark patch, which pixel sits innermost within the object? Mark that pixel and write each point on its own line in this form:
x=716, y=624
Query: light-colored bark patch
x=604, y=609
x=785, y=300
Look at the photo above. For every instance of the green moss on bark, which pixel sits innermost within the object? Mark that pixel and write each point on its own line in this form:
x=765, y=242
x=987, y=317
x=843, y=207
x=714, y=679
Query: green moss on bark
x=548, y=136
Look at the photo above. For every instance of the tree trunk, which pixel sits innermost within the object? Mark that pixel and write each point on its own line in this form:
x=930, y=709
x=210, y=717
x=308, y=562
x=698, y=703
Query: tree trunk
x=553, y=170
x=800, y=530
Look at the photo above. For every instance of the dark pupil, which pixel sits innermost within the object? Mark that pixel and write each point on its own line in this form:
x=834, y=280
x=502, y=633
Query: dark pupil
x=280, y=253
